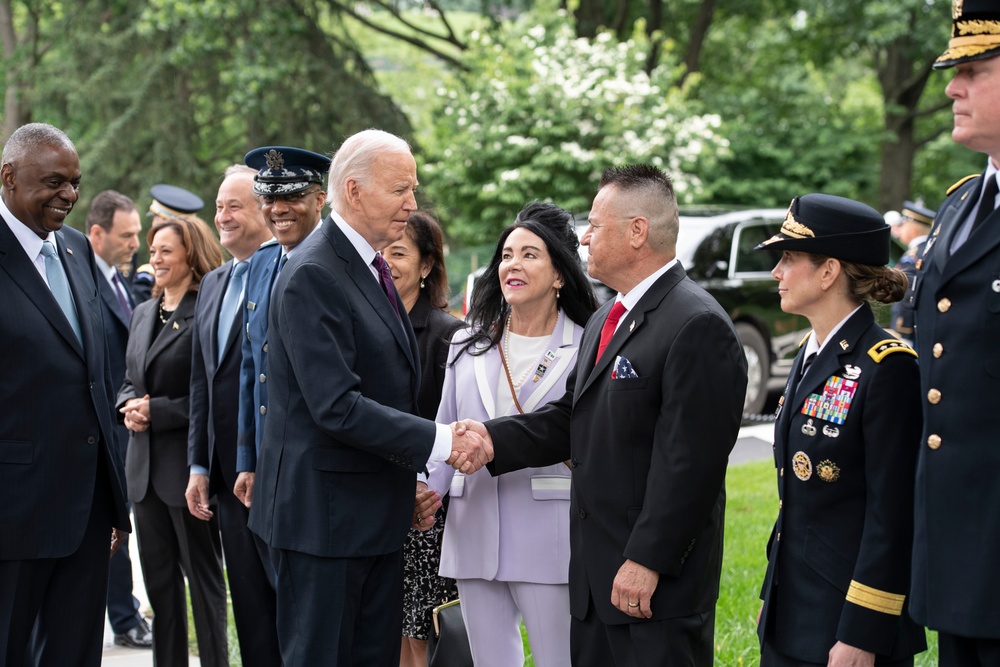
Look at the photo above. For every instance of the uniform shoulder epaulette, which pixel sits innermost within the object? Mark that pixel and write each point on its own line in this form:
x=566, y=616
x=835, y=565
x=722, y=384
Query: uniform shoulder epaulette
x=959, y=183
x=882, y=349
x=804, y=339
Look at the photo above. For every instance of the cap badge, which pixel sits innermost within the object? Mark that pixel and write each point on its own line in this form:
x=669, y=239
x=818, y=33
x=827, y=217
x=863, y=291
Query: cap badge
x=274, y=159
x=795, y=229
x=956, y=9
x=828, y=471
x=802, y=466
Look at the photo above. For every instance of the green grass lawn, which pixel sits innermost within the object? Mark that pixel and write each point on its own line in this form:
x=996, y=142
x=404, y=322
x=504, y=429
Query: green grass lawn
x=751, y=508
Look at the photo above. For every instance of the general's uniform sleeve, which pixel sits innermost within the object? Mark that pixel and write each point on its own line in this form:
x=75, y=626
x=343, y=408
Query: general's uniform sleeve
x=891, y=431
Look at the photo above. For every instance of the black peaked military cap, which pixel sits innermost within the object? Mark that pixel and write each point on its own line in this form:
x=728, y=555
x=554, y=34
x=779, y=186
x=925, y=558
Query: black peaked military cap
x=170, y=201
x=283, y=170
x=975, y=32
x=916, y=213
x=835, y=227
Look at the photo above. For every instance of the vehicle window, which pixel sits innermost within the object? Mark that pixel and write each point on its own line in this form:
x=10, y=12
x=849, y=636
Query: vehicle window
x=749, y=260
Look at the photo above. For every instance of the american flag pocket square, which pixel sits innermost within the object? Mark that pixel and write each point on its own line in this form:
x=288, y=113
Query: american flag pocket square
x=623, y=369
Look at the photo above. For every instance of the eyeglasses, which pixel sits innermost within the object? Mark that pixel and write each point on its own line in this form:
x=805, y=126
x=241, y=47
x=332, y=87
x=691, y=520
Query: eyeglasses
x=292, y=198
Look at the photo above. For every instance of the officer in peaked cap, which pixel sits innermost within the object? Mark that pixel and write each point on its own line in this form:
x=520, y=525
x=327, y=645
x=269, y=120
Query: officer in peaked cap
x=838, y=569
x=956, y=301
x=289, y=184
x=911, y=228
x=283, y=170
x=169, y=201
x=835, y=227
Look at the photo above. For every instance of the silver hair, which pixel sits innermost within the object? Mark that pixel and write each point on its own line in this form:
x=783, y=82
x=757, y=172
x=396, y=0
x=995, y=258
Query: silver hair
x=356, y=159
x=237, y=168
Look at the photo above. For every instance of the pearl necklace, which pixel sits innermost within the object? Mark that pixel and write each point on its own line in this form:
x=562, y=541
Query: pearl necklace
x=506, y=353
x=165, y=315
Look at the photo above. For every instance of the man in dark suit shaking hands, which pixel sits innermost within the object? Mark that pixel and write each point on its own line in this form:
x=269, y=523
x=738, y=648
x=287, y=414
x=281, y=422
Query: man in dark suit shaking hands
x=61, y=475
x=113, y=228
x=335, y=478
x=647, y=424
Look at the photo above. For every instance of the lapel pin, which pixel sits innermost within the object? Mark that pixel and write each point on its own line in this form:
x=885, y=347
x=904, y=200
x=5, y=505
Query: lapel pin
x=844, y=344
x=852, y=372
x=631, y=327
x=69, y=251
x=808, y=428
x=176, y=327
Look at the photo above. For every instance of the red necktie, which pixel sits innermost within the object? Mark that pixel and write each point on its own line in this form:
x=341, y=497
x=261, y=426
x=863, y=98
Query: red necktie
x=608, y=330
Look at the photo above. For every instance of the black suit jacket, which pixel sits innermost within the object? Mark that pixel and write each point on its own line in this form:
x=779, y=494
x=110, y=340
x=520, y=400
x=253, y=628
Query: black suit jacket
x=57, y=423
x=337, y=466
x=116, y=322
x=214, y=386
x=957, y=305
x=161, y=367
x=840, y=569
x=649, y=453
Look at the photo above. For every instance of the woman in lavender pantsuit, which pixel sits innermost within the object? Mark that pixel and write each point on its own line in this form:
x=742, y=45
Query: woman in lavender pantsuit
x=506, y=540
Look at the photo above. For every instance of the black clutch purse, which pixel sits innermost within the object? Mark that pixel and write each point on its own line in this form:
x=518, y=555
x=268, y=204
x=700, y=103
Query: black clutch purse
x=448, y=645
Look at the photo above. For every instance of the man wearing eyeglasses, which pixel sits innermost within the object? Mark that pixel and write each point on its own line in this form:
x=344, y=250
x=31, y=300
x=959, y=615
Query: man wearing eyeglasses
x=289, y=183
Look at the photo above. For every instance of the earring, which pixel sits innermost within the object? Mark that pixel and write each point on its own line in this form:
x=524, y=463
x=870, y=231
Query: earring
x=557, y=293
x=421, y=282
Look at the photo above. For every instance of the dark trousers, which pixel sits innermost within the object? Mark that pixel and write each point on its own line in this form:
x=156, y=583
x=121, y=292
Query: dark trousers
x=173, y=544
x=338, y=612
x=251, y=585
x=52, y=609
x=772, y=658
x=673, y=642
x=123, y=607
x=957, y=651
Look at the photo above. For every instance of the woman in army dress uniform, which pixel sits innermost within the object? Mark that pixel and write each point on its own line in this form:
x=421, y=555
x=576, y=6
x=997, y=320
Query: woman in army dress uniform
x=845, y=450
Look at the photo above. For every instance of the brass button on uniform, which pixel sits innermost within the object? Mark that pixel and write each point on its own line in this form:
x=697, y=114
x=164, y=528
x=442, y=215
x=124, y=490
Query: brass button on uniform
x=934, y=396
x=934, y=441
x=944, y=304
x=782, y=473
x=938, y=350
x=780, y=504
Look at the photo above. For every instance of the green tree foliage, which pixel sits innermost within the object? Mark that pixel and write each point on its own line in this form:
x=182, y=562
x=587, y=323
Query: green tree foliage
x=173, y=90
x=541, y=113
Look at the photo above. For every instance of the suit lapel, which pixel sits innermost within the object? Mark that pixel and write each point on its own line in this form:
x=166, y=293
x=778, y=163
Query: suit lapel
x=175, y=327
x=827, y=362
x=84, y=290
x=111, y=301
x=982, y=241
x=951, y=221
x=630, y=323
x=370, y=288
x=214, y=286
x=561, y=347
x=23, y=273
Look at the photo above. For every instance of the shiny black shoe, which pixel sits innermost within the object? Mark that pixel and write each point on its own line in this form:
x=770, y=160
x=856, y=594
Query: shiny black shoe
x=140, y=636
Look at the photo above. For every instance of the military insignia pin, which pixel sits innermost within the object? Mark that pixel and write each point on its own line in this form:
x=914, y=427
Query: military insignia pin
x=69, y=251
x=176, y=326
x=828, y=471
x=808, y=428
x=831, y=431
x=844, y=344
x=274, y=159
x=631, y=327
x=802, y=466
x=852, y=372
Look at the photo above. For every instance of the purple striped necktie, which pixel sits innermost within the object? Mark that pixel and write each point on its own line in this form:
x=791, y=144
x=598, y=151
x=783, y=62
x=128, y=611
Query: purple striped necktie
x=385, y=280
x=120, y=293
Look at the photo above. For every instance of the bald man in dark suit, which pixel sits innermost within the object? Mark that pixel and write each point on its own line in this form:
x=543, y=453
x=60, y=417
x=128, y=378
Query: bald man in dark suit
x=61, y=473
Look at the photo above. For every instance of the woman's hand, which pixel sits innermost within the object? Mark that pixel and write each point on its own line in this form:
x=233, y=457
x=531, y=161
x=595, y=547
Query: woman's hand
x=136, y=411
x=425, y=505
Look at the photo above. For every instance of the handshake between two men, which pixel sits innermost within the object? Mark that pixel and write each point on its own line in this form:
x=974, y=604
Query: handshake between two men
x=471, y=449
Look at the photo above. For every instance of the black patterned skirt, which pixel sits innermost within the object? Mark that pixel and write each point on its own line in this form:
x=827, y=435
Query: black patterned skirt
x=423, y=589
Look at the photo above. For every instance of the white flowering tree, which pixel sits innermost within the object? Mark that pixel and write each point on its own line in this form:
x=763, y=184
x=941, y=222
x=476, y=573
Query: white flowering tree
x=541, y=113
